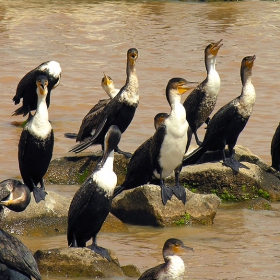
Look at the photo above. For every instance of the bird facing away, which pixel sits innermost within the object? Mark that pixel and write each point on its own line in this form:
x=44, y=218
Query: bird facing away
x=119, y=111
x=36, y=144
x=26, y=89
x=228, y=122
x=200, y=103
x=164, y=151
x=173, y=268
x=14, y=195
x=109, y=87
x=275, y=149
x=17, y=257
x=92, y=202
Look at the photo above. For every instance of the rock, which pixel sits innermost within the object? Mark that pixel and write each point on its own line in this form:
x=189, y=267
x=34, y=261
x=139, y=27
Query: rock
x=131, y=270
x=216, y=178
x=48, y=217
x=143, y=206
x=253, y=204
x=77, y=262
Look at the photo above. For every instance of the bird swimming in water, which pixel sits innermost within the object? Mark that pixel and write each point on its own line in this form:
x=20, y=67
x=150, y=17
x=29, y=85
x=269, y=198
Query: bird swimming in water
x=164, y=151
x=173, y=268
x=200, y=103
x=26, y=89
x=92, y=202
x=17, y=258
x=275, y=149
x=14, y=195
x=228, y=122
x=36, y=144
x=109, y=87
x=119, y=111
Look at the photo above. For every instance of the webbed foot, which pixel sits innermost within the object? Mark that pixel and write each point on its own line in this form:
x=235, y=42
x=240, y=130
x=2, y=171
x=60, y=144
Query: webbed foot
x=180, y=193
x=39, y=194
x=166, y=193
x=234, y=164
x=100, y=251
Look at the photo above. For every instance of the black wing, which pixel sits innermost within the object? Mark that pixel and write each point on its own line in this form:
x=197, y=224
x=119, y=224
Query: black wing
x=152, y=273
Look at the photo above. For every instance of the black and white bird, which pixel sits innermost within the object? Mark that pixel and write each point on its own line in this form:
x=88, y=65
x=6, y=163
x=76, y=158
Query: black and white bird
x=173, y=268
x=14, y=195
x=275, y=149
x=16, y=261
x=26, y=89
x=92, y=202
x=164, y=151
x=36, y=144
x=119, y=111
x=200, y=103
x=229, y=121
x=109, y=87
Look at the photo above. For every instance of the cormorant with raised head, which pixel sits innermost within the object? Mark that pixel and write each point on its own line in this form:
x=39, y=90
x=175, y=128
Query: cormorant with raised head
x=36, y=144
x=228, y=122
x=275, y=149
x=92, y=202
x=26, y=89
x=200, y=103
x=14, y=195
x=16, y=258
x=173, y=268
x=109, y=87
x=119, y=111
x=164, y=151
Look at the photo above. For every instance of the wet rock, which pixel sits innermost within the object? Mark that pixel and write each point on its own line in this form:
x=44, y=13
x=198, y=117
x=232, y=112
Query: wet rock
x=131, y=270
x=77, y=262
x=143, y=206
x=253, y=204
x=48, y=217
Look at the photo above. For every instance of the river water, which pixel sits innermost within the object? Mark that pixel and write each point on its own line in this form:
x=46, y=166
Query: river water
x=91, y=37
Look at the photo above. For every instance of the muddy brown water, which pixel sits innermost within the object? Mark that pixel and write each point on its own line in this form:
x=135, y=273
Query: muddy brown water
x=91, y=37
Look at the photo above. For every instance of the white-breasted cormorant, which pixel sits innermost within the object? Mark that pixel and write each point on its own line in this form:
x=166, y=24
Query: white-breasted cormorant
x=92, y=202
x=17, y=257
x=275, y=149
x=164, y=151
x=26, y=89
x=173, y=268
x=119, y=111
x=200, y=103
x=36, y=144
x=228, y=122
x=109, y=87
x=14, y=195
x=159, y=119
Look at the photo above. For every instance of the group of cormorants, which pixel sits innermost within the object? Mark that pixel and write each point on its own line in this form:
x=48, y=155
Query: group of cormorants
x=154, y=160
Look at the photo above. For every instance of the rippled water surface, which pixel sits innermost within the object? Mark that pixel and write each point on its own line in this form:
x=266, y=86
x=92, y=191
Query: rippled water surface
x=91, y=37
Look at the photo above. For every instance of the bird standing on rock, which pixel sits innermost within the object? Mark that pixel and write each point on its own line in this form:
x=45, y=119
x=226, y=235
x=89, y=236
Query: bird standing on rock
x=228, y=122
x=119, y=111
x=92, y=202
x=164, y=151
x=36, y=144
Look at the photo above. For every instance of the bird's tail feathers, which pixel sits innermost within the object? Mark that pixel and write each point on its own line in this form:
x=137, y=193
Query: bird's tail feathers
x=194, y=156
x=70, y=135
x=118, y=190
x=19, y=111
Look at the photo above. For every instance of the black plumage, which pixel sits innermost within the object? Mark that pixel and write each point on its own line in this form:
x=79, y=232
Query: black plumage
x=36, y=144
x=229, y=121
x=26, y=89
x=275, y=149
x=163, y=152
x=92, y=202
x=119, y=111
x=200, y=103
x=17, y=257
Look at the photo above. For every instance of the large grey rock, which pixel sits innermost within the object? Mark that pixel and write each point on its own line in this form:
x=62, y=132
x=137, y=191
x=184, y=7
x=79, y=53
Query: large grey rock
x=49, y=217
x=143, y=206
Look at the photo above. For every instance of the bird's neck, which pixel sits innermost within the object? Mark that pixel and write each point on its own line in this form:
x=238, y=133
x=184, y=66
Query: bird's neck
x=108, y=165
x=210, y=64
x=42, y=109
x=175, y=266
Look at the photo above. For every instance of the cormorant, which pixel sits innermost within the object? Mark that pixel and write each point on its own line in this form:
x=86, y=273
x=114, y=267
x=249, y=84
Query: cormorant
x=228, y=122
x=36, y=144
x=275, y=149
x=173, y=268
x=159, y=119
x=164, y=151
x=119, y=111
x=17, y=258
x=109, y=87
x=14, y=195
x=200, y=103
x=26, y=89
x=92, y=202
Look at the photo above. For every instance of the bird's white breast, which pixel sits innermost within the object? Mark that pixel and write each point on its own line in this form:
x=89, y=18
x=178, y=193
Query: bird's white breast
x=247, y=100
x=39, y=127
x=213, y=85
x=175, y=269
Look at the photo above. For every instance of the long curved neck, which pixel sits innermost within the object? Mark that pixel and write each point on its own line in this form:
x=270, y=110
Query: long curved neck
x=210, y=63
x=42, y=109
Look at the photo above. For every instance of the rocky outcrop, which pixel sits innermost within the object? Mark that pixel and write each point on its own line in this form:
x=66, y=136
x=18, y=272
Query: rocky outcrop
x=143, y=206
